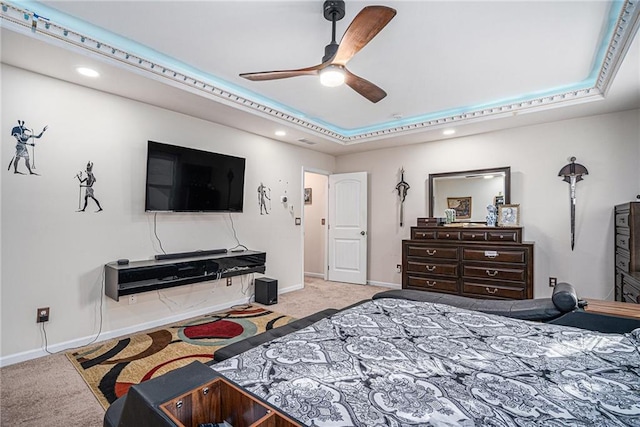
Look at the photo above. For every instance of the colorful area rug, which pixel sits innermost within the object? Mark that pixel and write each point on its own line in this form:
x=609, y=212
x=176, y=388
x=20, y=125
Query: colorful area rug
x=111, y=367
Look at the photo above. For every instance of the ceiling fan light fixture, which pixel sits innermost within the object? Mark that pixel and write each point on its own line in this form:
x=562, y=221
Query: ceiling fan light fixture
x=332, y=76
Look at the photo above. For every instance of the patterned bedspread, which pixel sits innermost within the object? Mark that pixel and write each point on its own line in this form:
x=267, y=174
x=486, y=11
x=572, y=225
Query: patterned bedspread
x=391, y=362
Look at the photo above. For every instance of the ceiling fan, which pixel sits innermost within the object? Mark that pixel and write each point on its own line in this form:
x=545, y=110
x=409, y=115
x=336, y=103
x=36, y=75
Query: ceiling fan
x=333, y=71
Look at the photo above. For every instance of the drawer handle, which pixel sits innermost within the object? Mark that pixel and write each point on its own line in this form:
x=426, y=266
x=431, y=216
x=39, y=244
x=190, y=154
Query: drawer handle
x=491, y=291
x=501, y=236
x=431, y=284
x=430, y=267
x=179, y=404
x=473, y=236
x=492, y=273
x=446, y=235
x=431, y=253
x=205, y=391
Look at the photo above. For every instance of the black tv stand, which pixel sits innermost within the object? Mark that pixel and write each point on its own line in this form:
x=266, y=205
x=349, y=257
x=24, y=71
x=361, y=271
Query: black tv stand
x=150, y=275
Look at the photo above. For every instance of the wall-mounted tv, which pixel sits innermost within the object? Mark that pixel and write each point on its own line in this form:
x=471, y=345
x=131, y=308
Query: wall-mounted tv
x=181, y=179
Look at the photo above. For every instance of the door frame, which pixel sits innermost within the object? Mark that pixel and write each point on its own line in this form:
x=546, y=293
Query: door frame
x=303, y=221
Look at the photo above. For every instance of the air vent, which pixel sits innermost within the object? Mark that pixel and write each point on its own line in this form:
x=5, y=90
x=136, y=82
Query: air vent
x=306, y=141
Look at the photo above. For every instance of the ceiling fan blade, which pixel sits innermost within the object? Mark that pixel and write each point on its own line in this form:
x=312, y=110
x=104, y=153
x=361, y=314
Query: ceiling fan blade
x=364, y=87
x=283, y=74
x=364, y=27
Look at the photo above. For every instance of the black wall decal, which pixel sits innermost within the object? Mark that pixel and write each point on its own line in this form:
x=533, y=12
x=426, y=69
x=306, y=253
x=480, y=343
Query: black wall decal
x=22, y=134
x=87, y=182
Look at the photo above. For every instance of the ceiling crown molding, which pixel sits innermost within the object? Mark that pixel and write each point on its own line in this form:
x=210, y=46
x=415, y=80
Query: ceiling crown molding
x=182, y=76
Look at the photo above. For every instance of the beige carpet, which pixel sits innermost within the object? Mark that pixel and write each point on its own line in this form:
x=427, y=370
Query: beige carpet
x=49, y=391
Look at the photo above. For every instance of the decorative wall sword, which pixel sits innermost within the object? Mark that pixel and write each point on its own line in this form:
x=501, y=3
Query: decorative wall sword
x=572, y=173
x=402, y=188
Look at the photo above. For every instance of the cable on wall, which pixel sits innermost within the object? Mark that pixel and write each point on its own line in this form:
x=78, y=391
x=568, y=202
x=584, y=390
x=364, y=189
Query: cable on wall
x=155, y=231
x=44, y=336
x=101, y=308
x=235, y=235
x=44, y=331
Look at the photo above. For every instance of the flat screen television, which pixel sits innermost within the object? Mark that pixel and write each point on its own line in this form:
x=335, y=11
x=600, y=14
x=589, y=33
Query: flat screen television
x=181, y=179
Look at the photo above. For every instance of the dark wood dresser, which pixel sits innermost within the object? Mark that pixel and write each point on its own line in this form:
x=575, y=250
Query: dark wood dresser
x=627, y=252
x=474, y=261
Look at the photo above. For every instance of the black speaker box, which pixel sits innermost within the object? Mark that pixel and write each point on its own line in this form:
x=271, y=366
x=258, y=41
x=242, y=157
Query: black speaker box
x=266, y=291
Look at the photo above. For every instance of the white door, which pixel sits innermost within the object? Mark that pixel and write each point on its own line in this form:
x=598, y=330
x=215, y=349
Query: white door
x=348, y=228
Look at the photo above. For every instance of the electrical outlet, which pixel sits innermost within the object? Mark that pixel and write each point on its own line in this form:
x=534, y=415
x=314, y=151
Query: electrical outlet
x=42, y=315
x=133, y=299
x=398, y=268
x=552, y=282
x=229, y=283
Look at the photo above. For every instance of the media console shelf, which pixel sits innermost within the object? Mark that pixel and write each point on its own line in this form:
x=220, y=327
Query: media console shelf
x=149, y=275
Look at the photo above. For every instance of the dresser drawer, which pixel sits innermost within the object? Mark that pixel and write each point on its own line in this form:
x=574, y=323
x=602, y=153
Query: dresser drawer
x=433, y=252
x=432, y=268
x=430, y=284
x=622, y=241
x=417, y=234
x=492, y=291
x=503, y=236
x=622, y=260
x=630, y=290
x=474, y=235
x=622, y=219
x=517, y=256
x=448, y=235
x=623, y=230
x=495, y=273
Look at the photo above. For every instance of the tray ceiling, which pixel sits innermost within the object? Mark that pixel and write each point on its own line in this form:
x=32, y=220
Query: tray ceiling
x=444, y=64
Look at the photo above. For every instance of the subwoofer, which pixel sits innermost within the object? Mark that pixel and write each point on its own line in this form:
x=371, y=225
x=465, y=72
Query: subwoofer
x=266, y=291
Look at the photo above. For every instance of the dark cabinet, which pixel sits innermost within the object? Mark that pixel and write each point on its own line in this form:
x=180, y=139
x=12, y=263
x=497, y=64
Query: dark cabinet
x=627, y=252
x=143, y=276
x=474, y=261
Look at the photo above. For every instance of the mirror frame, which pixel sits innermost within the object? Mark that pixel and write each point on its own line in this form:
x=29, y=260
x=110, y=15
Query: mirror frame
x=507, y=181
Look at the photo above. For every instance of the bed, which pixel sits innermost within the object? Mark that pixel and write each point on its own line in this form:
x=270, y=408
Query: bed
x=397, y=362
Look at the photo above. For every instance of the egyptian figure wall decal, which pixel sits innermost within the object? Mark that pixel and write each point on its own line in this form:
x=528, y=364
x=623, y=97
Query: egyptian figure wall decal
x=572, y=173
x=402, y=187
x=22, y=134
x=264, y=194
x=87, y=182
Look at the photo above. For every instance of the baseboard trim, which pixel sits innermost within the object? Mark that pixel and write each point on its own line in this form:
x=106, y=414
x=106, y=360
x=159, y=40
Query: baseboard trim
x=291, y=289
x=104, y=336
x=384, y=284
x=320, y=275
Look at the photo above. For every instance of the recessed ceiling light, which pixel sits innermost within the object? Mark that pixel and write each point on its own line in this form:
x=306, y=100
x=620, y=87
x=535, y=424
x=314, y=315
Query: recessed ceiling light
x=448, y=131
x=280, y=133
x=88, y=72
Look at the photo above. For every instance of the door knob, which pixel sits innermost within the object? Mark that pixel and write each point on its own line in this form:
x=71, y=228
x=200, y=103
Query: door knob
x=363, y=233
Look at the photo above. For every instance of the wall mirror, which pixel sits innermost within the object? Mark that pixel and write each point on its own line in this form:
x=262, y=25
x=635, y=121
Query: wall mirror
x=469, y=192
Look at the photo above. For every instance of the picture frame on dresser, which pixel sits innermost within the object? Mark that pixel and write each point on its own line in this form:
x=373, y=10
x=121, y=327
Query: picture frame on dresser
x=509, y=215
x=462, y=206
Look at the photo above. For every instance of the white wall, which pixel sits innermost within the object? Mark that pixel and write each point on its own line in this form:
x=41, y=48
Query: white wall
x=314, y=231
x=53, y=256
x=608, y=145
